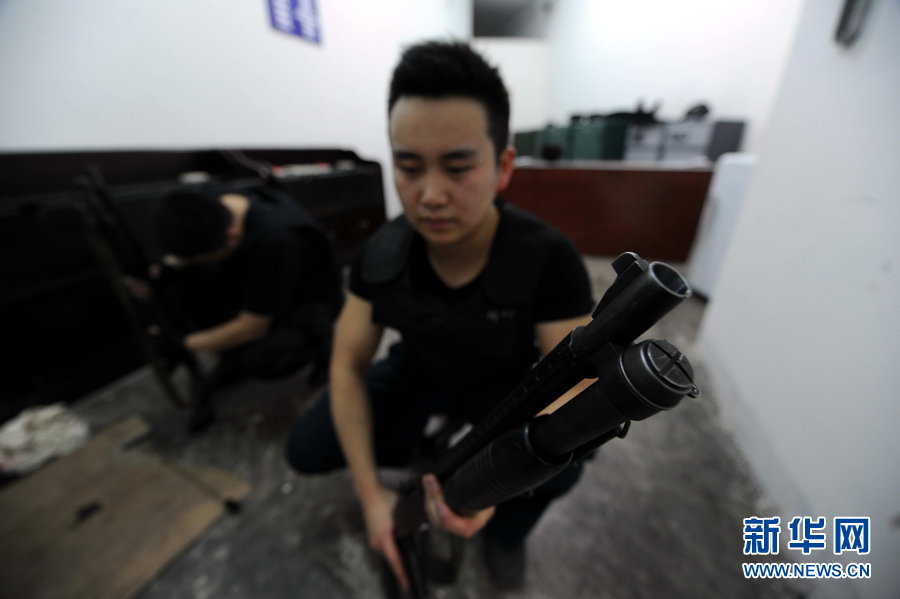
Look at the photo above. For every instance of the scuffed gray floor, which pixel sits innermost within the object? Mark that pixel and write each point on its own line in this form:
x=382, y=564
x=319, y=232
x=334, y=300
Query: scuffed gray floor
x=658, y=514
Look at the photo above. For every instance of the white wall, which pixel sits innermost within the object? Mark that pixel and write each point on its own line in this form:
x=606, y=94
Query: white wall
x=605, y=55
x=803, y=334
x=523, y=65
x=205, y=73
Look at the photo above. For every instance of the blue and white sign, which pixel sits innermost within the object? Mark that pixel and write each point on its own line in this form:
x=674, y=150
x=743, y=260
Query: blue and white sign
x=296, y=17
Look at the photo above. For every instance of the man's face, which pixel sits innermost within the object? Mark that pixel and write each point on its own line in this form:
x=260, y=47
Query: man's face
x=445, y=167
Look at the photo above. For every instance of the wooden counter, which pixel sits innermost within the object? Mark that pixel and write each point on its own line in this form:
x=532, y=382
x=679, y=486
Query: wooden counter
x=608, y=207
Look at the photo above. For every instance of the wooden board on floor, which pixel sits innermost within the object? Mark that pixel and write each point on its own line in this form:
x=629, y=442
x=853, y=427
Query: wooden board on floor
x=104, y=521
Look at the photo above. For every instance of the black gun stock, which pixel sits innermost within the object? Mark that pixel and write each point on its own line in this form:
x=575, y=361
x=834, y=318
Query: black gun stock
x=512, y=451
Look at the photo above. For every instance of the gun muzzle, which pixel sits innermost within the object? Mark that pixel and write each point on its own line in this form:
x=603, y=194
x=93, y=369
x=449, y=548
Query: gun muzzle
x=641, y=295
x=646, y=378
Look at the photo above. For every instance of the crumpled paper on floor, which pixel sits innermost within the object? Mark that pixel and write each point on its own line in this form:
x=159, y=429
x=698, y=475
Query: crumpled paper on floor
x=37, y=435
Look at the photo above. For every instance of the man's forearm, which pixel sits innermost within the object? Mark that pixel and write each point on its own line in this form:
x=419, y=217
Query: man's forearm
x=238, y=331
x=353, y=423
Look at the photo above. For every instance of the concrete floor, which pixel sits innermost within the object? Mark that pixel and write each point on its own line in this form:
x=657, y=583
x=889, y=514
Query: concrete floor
x=658, y=514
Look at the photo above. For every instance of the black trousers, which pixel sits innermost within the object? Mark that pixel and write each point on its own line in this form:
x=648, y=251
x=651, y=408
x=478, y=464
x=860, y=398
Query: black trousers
x=282, y=351
x=401, y=406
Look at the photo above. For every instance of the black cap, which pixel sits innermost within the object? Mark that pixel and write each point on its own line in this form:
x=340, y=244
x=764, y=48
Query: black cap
x=659, y=373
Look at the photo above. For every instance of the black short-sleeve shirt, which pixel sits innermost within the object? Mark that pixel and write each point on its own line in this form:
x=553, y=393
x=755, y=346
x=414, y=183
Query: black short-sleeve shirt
x=283, y=265
x=476, y=334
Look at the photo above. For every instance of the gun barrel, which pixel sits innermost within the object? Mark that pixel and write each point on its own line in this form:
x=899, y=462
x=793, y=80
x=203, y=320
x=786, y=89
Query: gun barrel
x=645, y=379
x=507, y=467
x=630, y=308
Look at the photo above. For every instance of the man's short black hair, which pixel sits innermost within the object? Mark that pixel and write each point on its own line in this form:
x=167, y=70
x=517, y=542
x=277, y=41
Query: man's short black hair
x=438, y=69
x=191, y=223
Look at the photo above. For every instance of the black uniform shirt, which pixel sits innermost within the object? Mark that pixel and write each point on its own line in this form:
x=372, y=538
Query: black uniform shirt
x=464, y=336
x=281, y=268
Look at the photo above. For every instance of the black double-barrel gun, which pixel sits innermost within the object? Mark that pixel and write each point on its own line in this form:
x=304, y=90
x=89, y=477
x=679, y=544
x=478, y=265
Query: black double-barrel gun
x=512, y=450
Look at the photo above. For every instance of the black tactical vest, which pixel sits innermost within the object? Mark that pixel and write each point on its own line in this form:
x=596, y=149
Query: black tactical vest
x=485, y=339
